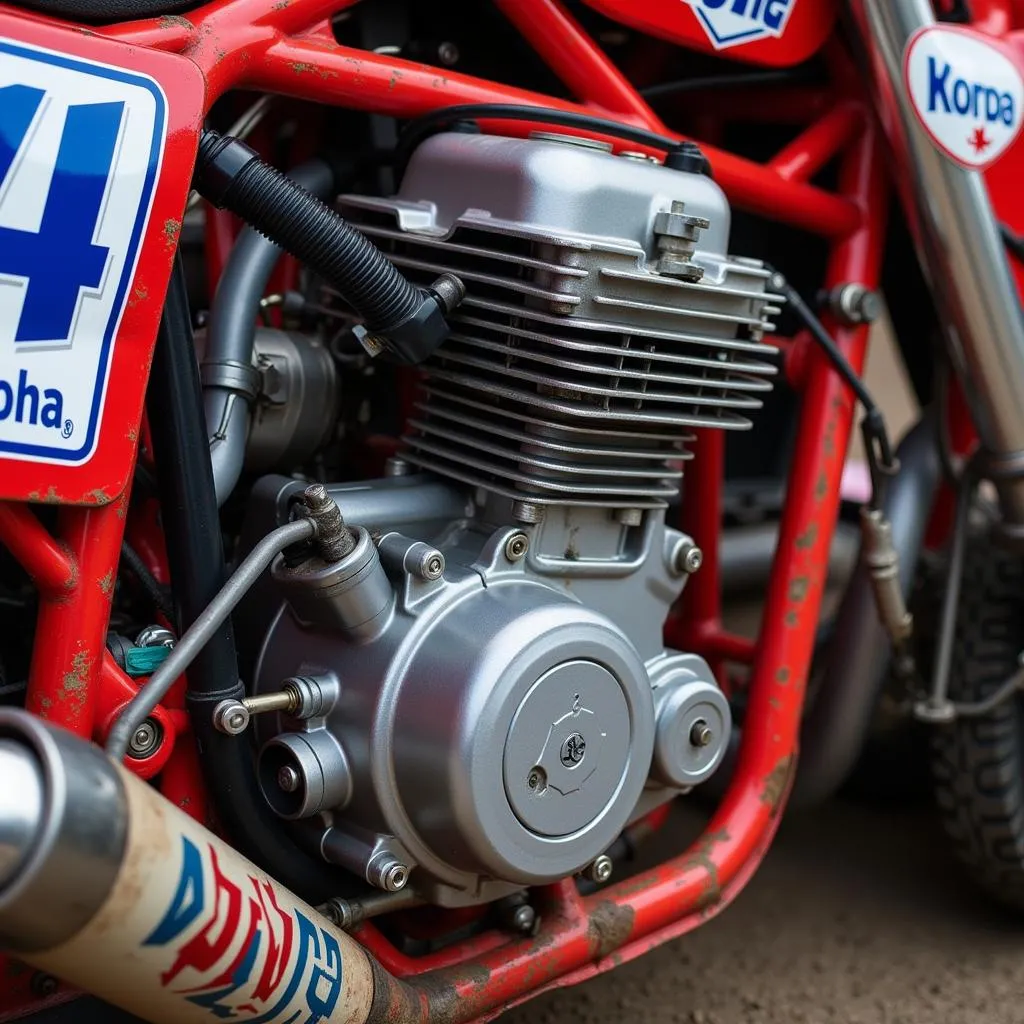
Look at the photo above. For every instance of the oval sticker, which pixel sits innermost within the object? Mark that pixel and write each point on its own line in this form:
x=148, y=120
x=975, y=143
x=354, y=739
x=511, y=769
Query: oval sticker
x=967, y=93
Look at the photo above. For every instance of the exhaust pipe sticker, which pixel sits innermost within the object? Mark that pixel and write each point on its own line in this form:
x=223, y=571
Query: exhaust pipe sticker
x=237, y=953
x=966, y=91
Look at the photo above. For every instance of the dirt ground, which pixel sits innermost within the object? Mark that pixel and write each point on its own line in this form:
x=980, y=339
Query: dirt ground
x=856, y=916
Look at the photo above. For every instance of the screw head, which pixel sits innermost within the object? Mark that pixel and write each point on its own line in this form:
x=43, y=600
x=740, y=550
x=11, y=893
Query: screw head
x=231, y=717
x=155, y=636
x=43, y=985
x=516, y=546
x=397, y=466
x=394, y=877
x=430, y=565
x=690, y=558
x=146, y=740
x=700, y=733
x=288, y=778
x=601, y=869
x=537, y=780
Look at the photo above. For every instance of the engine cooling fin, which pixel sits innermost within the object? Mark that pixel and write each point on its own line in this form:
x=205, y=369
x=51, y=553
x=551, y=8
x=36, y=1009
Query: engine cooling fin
x=574, y=374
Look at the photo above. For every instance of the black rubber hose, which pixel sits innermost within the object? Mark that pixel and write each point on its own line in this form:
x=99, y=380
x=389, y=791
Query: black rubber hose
x=231, y=175
x=195, y=550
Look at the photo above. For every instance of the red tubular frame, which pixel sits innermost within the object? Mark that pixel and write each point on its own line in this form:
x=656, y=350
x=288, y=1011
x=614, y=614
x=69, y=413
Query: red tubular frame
x=287, y=47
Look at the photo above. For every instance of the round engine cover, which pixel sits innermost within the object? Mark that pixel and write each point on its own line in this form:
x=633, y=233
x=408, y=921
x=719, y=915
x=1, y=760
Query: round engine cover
x=520, y=734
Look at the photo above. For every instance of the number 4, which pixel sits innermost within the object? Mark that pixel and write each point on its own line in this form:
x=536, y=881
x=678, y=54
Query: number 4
x=60, y=259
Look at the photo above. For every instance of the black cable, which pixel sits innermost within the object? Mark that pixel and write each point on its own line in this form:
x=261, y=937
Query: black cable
x=882, y=462
x=156, y=591
x=758, y=78
x=680, y=155
x=188, y=505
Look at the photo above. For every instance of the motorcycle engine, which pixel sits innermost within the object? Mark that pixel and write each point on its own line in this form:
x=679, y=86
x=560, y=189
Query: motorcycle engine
x=480, y=697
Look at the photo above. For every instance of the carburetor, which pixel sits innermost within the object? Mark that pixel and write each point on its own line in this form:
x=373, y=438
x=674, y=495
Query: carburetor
x=477, y=696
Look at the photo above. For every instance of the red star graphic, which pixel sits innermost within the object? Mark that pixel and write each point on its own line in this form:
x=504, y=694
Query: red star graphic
x=979, y=140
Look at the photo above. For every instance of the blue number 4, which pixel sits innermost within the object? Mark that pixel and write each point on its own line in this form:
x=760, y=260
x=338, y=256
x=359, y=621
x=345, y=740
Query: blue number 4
x=60, y=259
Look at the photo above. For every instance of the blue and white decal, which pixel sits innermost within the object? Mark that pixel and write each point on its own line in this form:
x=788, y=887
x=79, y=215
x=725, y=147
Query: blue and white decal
x=733, y=22
x=80, y=150
x=967, y=93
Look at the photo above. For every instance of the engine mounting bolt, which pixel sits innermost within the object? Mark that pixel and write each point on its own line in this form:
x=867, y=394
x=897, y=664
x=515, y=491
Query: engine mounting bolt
x=527, y=511
x=600, y=870
x=629, y=516
x=516, y=546
x=854, y=303
x=397, y=466
x=690, y=558
x=288, y=778
x=700, y=733
x=146, y=740
x=231, y=717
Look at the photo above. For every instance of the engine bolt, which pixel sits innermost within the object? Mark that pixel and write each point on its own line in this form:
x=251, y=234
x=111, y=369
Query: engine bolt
x=387, y=872
x=288, y=778
x=397, y=466
x=430, y=565
x=690, y=558
x=629, y=516
x=516, y=546
x=700, y=733
x=231, y=717
x=537, y=779
x=146, y=740
x=600, y=870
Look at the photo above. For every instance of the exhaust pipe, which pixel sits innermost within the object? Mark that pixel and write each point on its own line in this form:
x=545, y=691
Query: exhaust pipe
x=107, y=885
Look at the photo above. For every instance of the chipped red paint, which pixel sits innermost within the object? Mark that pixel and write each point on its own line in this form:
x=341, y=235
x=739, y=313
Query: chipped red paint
x=288, y=48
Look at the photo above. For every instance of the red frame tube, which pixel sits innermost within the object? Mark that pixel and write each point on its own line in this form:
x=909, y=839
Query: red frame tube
x=289, y=48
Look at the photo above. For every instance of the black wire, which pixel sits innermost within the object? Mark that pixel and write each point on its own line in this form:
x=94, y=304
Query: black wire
x=158, y=593
x=878, y=447
x=758, y=78
x=416, y=131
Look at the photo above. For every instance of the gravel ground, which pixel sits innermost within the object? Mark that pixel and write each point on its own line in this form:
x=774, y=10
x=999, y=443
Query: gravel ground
x=857, y=915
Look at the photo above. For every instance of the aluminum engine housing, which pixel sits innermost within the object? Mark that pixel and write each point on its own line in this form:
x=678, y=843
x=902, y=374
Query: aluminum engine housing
x=493, y=699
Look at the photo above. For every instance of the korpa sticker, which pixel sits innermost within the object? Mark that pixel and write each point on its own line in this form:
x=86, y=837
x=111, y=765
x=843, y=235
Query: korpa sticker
x=80, y=149
x=734, y=22
x=966, y=92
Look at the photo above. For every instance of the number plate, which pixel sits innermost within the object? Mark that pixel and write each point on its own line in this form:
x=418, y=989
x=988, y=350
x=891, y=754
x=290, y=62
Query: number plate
x=80, y=151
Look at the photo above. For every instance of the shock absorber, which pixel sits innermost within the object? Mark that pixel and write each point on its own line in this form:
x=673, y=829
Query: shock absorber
x=107, y=885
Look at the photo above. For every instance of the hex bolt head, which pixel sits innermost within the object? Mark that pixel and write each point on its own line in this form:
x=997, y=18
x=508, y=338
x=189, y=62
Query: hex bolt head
x=700, y=733
x=600, y=870
x=146, y=740
x=516, y=546
x=231, y=717
x=690, y=558
x=537, y=780
x=288, y=778
x=155, y=636
x=397, y=466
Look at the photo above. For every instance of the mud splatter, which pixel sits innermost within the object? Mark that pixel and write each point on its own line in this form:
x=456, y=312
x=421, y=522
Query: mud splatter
x=776, y=782
x=172, y=228
x=609, y=927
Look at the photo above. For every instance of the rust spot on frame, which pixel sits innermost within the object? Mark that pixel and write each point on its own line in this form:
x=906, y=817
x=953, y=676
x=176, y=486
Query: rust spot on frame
x=806, y=539
x=700, y=857
x=107, y=583
x=609, y=927
x=172, y=228
x=174, y=21
x=798, y=588
x=776, y=782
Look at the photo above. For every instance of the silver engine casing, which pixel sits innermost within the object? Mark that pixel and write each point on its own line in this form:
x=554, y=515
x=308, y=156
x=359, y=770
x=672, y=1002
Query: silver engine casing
x=495, y=700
